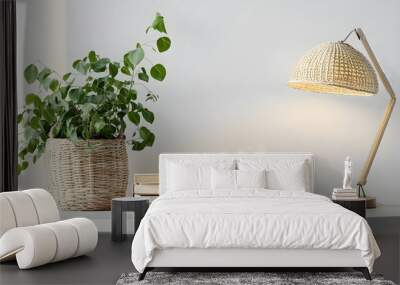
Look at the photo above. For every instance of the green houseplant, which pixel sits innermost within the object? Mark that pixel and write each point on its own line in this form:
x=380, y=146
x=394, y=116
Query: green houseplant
x=81, y=118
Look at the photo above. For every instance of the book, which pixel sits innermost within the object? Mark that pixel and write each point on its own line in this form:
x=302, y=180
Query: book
x=345, y=195
x=344, y=192
x=341, y=190
x=146, y=184
x=344, y=198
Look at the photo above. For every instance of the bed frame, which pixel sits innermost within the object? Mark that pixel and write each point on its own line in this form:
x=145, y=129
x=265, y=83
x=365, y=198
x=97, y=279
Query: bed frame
x=249, y=259
x=237, y=259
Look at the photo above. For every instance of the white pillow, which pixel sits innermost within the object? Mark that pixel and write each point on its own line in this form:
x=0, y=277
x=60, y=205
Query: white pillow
x=182, y=177
x=293, y=178
x=236, y=179
x=251, y=178
x=188, y=175
x=223, y=179
x=281, y=174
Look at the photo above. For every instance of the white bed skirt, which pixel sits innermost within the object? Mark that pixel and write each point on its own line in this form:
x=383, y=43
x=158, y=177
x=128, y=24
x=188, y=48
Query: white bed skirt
x=192, y=257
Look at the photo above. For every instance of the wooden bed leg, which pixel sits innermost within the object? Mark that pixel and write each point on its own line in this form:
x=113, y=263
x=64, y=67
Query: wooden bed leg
x=143, y=274
x=365, y=272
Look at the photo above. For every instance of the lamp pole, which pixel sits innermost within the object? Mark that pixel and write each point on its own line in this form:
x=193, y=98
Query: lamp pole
x=362, y=180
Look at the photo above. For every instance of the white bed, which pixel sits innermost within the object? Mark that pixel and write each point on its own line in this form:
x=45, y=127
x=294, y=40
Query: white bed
x=249, y=227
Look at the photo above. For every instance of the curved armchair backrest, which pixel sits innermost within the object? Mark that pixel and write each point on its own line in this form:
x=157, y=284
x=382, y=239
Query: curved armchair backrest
x=26, y=208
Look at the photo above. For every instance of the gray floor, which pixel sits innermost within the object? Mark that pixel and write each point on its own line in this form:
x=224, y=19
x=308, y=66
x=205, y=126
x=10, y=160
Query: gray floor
x=111, y=259
x=103, y=266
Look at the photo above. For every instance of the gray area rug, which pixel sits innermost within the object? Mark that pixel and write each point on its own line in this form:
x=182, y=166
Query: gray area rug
x=269, y=278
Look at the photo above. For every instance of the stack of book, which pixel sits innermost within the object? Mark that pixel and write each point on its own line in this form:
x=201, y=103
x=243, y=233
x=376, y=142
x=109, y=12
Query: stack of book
x=146, y=185
x=344, y=194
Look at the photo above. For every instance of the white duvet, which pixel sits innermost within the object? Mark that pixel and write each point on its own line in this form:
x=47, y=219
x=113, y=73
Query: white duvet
x=250, y=219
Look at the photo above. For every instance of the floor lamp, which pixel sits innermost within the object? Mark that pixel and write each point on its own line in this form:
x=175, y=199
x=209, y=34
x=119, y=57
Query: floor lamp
x=338, y=68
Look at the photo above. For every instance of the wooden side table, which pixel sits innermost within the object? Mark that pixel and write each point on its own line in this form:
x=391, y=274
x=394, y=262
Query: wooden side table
x=357, y=205
x=138, y=205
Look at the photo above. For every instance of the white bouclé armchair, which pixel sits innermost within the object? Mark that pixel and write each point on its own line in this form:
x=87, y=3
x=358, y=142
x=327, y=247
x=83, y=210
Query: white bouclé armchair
x=31, y=230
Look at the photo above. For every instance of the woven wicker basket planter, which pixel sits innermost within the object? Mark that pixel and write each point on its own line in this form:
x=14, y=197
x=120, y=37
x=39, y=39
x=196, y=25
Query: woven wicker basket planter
x=83, y=178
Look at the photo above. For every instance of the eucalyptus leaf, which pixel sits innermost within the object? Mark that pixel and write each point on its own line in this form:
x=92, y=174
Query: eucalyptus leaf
x=53, y=85
x=34, y=99
x=147, y=136
x=55, y=130
x=24, y=165
x=40, y=149
x=118, y=84
x=136, y=56
x=125, y=70
x=158, y=24
x=46, y=83
x=99, y=125
x=49, y=115
x=108, y=131
x=163, y=44
x=148, y=115
x=66, y=76
x=158, y=72
x=132, y=94
x=113, y=69
x=43, y=74
x=72, y=133
x=64, y=91
x=134, y=117
x=31, y=73
x=124, y=92
x=86, y=109
x=32, y=145
x=138, y=145
x=35, y=123
x=100, y=65
x=92, y=56
x=75, y=63
x=81, y=67
x=22, y=153
x=76, y=95
x=143, y=75
x=19, y=118
x=127, y=62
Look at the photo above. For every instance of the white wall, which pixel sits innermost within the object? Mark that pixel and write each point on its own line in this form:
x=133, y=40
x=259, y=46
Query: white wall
x=227, y=72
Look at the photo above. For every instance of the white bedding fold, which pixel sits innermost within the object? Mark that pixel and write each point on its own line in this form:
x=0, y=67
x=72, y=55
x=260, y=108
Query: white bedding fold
x=250, y=219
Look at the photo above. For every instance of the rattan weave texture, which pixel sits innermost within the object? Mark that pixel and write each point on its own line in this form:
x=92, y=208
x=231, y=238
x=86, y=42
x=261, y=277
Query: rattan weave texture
x=83, y=178
x=337, y=68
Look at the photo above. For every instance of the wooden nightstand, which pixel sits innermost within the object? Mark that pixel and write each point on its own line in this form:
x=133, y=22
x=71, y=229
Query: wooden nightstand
x=358, y=205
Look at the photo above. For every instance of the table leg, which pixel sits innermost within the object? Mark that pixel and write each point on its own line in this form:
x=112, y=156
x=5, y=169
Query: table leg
x=116, y=222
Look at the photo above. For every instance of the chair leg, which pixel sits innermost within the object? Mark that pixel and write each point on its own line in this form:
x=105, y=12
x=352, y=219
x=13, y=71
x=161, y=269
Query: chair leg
x=364, y=271
x=143, y=274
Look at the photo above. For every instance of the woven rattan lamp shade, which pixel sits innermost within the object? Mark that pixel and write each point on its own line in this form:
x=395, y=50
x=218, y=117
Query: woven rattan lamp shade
x=336, y=68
